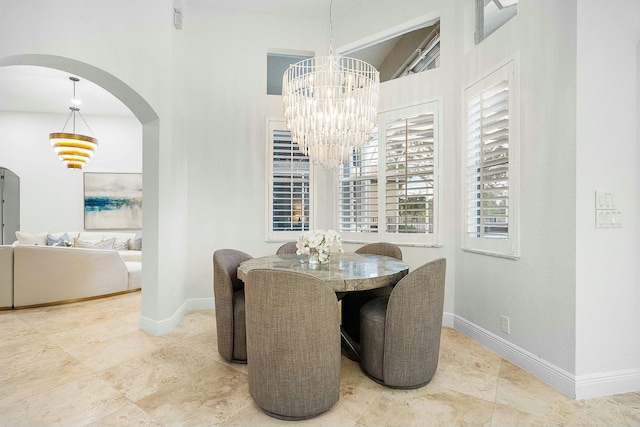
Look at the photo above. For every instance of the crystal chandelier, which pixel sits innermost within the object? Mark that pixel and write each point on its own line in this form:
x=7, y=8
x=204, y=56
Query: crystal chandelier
x=73, y=149
x=330, y=104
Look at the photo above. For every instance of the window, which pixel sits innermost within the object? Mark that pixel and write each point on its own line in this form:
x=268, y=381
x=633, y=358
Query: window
x=407, y=201
x=491, y=15
x=398, y=55
x=277, y=64
x=358, y=205
x=491, y=165
x=289, y=186
x=409, y=194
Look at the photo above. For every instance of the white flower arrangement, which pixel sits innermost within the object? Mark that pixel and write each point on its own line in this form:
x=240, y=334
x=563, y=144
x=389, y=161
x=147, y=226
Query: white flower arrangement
x=320, y=242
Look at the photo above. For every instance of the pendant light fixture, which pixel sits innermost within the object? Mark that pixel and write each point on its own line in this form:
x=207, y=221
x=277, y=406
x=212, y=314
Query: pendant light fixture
x=330, y=105
x=73, y=149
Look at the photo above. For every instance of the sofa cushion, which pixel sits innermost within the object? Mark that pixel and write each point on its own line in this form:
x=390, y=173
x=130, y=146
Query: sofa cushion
x=103, y=244
x=32, y=239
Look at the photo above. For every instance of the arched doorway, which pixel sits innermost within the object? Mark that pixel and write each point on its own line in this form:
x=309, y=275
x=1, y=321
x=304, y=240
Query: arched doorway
x=150, y=141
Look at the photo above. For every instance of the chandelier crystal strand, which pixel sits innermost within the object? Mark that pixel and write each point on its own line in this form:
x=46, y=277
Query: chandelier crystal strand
x=330, y=105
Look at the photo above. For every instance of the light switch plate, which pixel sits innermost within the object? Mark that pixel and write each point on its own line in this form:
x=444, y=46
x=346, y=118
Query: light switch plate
x=607, y=213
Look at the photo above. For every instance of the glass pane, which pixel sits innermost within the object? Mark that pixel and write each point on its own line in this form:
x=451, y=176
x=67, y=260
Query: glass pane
x=410, y=175
x=488, y=164
x=358, y=192
x=409, y=53
x=277, y=64
x=290, y=184
x=492, y=14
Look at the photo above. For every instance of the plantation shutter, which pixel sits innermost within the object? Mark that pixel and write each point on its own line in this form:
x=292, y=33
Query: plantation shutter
x=389, y=190
x=358, y=192
x=410, y=190
x=487, y=168
x=290, y=194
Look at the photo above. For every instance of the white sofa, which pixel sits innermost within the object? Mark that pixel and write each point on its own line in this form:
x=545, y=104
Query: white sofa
x=56, y=274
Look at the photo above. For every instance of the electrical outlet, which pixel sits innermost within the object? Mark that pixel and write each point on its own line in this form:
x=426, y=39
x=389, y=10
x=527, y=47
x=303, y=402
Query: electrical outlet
x=504, y=324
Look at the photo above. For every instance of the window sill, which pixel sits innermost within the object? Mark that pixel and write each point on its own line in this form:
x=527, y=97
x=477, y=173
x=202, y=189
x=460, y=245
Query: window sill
x=493, y=254
x=401, y=244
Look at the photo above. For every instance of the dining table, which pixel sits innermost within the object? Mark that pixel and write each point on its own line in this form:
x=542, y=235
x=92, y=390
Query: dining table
x=345, y=272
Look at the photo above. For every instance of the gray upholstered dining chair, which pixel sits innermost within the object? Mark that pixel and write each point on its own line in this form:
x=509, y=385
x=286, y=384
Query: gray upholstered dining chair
x=287, y=248
x=400, y=334
x=353, y=302
x=293, y=343
x=381, y=248
x=228, y=292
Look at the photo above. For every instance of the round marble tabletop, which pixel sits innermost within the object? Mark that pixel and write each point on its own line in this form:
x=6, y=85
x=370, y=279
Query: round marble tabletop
x=345, y=272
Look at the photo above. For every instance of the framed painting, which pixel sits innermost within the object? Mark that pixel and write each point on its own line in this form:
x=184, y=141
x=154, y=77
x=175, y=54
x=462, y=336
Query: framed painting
x=112, y=201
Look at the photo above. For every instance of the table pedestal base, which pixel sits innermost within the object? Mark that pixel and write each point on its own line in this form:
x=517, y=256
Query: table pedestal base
x=350, y=347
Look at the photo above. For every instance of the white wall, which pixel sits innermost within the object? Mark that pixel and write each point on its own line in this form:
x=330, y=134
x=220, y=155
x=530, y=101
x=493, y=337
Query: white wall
x=51, y=196
x=608, y=286
x=537, y=290
x=225, y=83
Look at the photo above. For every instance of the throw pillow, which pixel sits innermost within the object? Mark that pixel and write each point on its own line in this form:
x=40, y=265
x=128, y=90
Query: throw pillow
x=31, y=239
x=57, y=241
x=121, y=245
x=137, y=242
x=103, y=244
x=106, y=244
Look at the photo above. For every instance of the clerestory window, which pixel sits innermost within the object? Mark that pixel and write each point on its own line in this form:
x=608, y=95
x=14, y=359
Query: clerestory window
x=491, y=15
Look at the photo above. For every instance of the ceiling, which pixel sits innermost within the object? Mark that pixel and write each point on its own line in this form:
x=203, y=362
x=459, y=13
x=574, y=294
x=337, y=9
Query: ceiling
x=306, y=8
x=27, y=88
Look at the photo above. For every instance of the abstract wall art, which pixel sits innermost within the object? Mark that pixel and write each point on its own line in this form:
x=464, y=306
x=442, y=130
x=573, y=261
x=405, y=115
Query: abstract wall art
x=112, y=201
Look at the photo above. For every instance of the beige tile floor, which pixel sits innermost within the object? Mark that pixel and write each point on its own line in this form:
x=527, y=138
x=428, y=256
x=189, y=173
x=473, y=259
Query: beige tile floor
x=87, y=364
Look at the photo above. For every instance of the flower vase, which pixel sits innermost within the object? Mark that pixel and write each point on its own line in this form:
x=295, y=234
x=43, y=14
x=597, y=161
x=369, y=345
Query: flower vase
x=314, y=257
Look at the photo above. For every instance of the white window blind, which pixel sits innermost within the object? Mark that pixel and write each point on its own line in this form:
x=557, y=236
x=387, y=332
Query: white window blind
x=490, y=165
x=409, y=189
x=358, y=181
x=289, y=187
x=404, y=207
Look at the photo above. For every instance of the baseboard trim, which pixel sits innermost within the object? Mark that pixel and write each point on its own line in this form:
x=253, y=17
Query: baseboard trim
x=448, y=320
x=161, y=327
x=607, y=383
x=551, y=374
x=577, y=387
